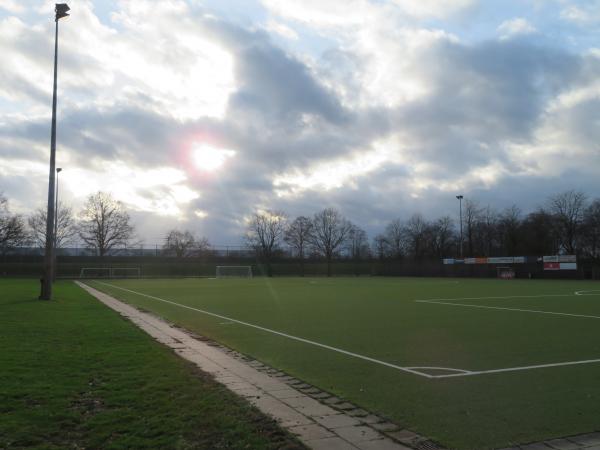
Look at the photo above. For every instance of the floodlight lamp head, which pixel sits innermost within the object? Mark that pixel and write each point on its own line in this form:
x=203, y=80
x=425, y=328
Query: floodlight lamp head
x=58, y=169
x=460, y=197
x=61, y=10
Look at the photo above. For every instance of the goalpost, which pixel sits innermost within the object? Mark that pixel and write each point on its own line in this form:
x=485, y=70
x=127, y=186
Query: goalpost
x=506, y=273
x=234, y=272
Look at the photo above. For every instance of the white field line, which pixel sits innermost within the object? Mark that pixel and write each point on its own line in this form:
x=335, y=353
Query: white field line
x=461, y=372
x=515, y=369
x=279, y=333
x=502, y=308
x=496, y=298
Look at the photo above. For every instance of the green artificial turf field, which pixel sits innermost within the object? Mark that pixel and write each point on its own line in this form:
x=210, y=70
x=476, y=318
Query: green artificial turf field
x=74, y=375
x=426, y=358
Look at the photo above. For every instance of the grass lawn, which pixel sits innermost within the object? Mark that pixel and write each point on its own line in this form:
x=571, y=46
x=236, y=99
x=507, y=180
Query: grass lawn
x=379, y=318
x=74, y=374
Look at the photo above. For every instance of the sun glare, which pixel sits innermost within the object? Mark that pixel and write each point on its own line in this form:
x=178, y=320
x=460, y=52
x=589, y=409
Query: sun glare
x=209, y=158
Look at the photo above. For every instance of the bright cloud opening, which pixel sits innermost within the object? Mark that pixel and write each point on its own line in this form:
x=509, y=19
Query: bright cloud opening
x=209, y=158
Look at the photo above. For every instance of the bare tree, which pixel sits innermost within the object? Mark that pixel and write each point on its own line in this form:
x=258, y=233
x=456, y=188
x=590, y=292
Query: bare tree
x=104, y=223
x=331, y=230
x=179, y=243
x=488, y=231
x=509, y=230
x=568, y=209
x=202, y=246
x=380, y=246
x=471, y=213
x=358, y=243
x=12, y=227
x=297, y=235
x=66, y=227
x=591, y=224
x=416, y=231
x=442, y=236
x=395, y=238
x=264, y=234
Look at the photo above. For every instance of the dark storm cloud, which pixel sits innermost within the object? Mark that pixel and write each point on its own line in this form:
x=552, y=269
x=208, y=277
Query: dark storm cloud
x=483, y=96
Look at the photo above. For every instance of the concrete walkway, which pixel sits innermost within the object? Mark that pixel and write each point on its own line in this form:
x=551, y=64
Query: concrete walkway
x=318, y=419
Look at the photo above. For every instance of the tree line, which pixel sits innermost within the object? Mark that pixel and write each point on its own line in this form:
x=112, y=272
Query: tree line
x=567, y=222
x=102, y=225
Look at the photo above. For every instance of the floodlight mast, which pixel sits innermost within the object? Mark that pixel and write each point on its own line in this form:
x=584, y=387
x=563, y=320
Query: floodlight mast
x=460, y=197
x=61, y=10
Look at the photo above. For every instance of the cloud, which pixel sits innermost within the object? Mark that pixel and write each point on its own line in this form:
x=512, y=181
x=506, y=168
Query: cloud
x=386, y=116
x=515, y=27
x=581, y=14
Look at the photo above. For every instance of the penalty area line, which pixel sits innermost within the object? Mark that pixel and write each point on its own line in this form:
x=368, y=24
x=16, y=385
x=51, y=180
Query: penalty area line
x=279, y=333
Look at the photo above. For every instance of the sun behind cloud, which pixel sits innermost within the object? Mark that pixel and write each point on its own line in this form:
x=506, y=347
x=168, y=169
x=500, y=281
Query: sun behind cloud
x=209, y=158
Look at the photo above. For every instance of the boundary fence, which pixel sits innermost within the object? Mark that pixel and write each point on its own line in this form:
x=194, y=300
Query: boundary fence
x=163, y=266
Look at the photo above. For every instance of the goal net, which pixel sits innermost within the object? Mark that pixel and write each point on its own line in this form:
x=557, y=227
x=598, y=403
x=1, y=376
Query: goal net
x=234, y=272
x=506, y=273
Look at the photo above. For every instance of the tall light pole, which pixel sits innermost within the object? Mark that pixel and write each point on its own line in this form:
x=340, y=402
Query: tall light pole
x=460, y=197
x=61, y=10
x=55, y=268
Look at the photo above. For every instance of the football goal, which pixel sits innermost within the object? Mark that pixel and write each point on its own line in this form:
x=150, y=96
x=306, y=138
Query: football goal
x=506, y=273
x=234, y=272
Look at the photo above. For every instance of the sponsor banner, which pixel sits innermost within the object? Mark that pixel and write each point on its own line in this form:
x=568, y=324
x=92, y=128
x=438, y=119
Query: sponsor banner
x=567, y=258
x=520, y=259
x=550, y=259
x=481, y=260
x=448, y=260
x=470, y=260
x=551, y=266
x=501, y=260
x=568, y=266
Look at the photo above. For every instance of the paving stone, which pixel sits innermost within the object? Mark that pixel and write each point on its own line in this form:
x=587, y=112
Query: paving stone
x=371, y=418
x=358, y=412
x=302, y=386
x=284, y=414
x=593, y=447
x=285, y=393
x=587, y=439
x=562, y=444
x=336, y=421
x=385, y=426
x=311, y=432
x=535, y=446
x=333, y=400
x=404, y=436
x=382, y=444
x=332, y=443
x=345, y=406
x=309, y=406
x=321, y=395
x=250, y=393
x=358, y=433
x=311, y=390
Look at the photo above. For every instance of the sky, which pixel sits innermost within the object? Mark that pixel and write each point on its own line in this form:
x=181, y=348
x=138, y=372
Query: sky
x=197, y=113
